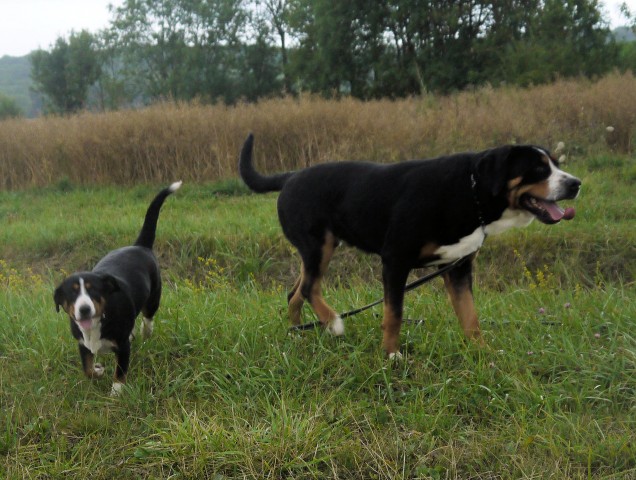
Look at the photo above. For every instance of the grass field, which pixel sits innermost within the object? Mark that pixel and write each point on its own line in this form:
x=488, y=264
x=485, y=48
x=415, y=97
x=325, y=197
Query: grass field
x=199, y=142
x=222, y=391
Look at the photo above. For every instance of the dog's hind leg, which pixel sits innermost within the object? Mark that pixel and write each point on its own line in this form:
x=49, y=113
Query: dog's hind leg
x=148, y=312
x=147, y=327
x=315, y=265
x=458, y=283
x=295, y=299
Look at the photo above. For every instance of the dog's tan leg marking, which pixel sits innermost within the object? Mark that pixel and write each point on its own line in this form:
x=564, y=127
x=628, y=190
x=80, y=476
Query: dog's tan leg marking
x=327, y=315
x=296, y=299
x=462, y=300
x=391, y=325
x=91, y=369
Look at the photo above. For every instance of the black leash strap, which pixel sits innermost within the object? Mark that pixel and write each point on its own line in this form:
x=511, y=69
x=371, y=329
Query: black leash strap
x=407, y=288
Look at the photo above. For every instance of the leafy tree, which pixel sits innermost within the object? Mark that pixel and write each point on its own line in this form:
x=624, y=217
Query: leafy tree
x=402, y=47
x=8, y=108
x=179, y=48
x=272, y=19
x=627, y=57
x=562, y=39
x=246, y=49
x=65, y=74
x=337, y=45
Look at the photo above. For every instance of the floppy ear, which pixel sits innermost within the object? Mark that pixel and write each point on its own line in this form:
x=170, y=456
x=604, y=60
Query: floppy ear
x=111, y=285
x=58, y=297
x=492, y=169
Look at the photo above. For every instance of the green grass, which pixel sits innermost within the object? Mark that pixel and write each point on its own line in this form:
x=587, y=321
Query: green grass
x=222, y=391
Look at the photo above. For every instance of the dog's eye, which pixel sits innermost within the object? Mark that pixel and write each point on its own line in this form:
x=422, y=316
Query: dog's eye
x=87, y=285
x=76, y=286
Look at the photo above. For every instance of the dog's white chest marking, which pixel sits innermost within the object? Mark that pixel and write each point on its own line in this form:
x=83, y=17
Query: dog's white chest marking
x=465, y=246
x=471, y=243
x=94, y=342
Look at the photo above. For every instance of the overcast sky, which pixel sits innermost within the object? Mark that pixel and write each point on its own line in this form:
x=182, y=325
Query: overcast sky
x=26, y=25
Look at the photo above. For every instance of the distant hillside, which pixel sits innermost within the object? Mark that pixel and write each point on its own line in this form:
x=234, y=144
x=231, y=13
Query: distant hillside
x=15, y=82
x=623, y=34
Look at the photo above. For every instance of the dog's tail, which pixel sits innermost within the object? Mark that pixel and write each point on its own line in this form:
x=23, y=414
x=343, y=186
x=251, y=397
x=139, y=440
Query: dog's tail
x=257, y=182
x=146, y=237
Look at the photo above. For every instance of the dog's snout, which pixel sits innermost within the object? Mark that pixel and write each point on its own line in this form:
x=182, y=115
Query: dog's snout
x=573, y=185
x=85, y=311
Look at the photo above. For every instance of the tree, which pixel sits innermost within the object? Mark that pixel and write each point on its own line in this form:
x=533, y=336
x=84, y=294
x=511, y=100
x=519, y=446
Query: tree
x=65, y=74
x=335, y=45
x=273, y=19
x=403, y=47
x=8, y=108
x=179, y=49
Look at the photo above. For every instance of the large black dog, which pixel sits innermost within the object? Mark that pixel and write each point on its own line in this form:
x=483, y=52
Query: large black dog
x=413, y=214
x=103, y=304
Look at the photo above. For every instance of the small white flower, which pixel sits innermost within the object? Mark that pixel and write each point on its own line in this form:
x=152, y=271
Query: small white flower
x=609, y=129
x=560, y=146
x=562, y=159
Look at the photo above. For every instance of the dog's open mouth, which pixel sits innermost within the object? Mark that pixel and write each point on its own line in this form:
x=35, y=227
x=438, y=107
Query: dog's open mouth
x=547, y=211
x=85, y=323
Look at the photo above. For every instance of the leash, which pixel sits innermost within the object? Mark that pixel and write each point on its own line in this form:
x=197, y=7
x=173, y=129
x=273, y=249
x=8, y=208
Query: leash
x=410, y=286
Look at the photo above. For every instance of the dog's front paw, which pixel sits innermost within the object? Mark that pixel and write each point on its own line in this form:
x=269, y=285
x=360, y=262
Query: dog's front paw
x=395, y=357
x=336, y=327
x=116, y=390
x=98, y=370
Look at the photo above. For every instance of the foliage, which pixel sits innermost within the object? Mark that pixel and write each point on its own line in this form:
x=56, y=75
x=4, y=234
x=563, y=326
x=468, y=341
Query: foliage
x=185, y=49
x=627, y=57
x=15, y=83
x=8, y=108
x=65, y=73
x=231, y=50
x=404, y=47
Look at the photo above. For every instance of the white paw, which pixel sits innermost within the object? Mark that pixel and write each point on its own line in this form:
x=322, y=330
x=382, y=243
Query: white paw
x=146, y=328
x=116, y=390
x=336, y=327
x=395, y=357
x=98, y=368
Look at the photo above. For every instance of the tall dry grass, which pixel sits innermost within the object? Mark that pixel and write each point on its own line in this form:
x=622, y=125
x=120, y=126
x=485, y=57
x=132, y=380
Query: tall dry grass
x=198, y=142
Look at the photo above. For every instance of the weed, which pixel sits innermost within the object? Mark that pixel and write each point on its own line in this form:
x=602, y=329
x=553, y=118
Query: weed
x=200, y=143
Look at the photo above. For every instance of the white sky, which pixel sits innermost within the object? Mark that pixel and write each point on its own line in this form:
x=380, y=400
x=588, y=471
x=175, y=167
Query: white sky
x=26, y=25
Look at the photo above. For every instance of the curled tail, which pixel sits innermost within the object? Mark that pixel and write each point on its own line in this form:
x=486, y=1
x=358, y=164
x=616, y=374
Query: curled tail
x=257, y=182
x=146, y=237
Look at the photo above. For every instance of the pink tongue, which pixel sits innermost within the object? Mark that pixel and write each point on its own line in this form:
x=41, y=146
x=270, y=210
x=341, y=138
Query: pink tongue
x=556, y=212
x=86, y=324
x=569, y=213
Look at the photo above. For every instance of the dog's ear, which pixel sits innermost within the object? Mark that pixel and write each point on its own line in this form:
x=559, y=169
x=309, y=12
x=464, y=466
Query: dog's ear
x=492, y=169
x=111, y=284
x=58, y=297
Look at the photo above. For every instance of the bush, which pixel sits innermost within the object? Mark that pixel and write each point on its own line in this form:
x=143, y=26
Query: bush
x=8, y=108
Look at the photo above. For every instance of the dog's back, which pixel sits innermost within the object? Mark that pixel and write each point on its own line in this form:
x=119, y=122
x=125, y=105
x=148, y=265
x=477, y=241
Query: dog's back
x=136, y=271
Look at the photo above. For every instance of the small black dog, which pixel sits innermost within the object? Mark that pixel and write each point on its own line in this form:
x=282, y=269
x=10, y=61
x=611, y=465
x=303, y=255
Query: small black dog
x=413, y=214
x=104, y=303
